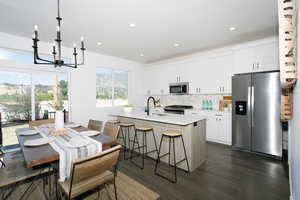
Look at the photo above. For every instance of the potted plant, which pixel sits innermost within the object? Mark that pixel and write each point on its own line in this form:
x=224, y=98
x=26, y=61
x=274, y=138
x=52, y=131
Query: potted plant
x=128, y=108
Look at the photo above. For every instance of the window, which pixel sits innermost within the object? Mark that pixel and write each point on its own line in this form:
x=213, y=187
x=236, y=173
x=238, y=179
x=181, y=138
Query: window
x=111, y=87
x=26, y=96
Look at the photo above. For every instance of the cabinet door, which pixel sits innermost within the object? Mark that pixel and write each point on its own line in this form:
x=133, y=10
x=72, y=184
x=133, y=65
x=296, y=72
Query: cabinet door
x=212, y=129
x=243, y=60
x=266, y=57
x=223, y=67
x=228, y=129
x=195, y=71
x=221, y=126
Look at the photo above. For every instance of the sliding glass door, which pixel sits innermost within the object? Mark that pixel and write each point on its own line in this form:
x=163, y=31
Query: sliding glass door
x=15, y=104
x=29, y=96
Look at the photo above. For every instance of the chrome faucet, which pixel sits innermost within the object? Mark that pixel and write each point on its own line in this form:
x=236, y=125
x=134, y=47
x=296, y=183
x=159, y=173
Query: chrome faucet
x=148, y=101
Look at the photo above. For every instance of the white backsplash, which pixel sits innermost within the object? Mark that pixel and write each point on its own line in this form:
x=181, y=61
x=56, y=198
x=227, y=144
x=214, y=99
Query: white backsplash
x=194, y=100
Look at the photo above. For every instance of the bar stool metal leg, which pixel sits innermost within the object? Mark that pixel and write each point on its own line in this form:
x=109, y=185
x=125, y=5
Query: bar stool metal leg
x=144, y=146
x=136, y=141
x=187, y=162
x=158, y=157
x=175, y=163
x=155, y=142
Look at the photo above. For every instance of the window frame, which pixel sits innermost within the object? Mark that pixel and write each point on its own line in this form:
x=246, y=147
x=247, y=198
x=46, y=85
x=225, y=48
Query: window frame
x=9, y=65
x=113, y=70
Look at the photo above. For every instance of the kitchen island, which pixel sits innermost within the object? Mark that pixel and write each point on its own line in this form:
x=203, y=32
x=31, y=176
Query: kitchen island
x=193, y=130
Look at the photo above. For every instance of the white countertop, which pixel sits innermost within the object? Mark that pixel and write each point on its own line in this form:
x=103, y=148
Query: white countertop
x=176, y=119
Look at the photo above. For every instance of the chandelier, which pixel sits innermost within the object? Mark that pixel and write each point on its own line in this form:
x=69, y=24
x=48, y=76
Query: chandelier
x=57, y=57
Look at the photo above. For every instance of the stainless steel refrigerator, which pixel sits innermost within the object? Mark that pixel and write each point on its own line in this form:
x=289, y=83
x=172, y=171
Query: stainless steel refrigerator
x=256, y=124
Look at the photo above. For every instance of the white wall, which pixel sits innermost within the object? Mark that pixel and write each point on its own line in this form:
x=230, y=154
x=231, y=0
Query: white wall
x=82, y=80
x=295, y=131
x=83, y=88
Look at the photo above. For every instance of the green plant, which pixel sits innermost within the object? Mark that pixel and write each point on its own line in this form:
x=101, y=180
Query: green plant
x=128, y=106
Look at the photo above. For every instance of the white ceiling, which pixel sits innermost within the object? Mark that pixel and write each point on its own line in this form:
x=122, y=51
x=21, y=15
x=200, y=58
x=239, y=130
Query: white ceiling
x=194, y=24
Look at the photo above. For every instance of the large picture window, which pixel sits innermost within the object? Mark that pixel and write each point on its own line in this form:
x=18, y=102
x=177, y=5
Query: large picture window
x=111, y=87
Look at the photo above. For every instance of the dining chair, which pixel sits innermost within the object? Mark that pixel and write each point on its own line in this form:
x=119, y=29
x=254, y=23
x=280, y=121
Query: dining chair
x=18, y=181
x=111, y=130
x=2, y=163
x=95, y=125
x=92, y=173
x=40, y=122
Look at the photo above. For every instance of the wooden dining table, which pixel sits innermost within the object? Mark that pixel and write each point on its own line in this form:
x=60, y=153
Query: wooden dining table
x=36, y=156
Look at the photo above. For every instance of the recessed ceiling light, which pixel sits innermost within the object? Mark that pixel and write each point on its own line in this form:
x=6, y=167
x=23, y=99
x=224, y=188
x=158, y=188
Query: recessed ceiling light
x=232, y=28
x=142, y=55
x=176, y=45
x=99, y=43
x=132, y=25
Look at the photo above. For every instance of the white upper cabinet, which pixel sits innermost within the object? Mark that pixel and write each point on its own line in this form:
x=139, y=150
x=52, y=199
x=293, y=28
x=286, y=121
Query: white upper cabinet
x=211, y=72
x=266, y=57
x=243, y=60
x=220, y=68
x=260, y=57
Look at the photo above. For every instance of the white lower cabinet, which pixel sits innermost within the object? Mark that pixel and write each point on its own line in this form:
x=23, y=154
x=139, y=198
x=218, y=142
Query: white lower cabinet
x=218, y=126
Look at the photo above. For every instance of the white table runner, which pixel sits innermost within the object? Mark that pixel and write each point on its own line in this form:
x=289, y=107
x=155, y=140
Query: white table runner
x=68, y=154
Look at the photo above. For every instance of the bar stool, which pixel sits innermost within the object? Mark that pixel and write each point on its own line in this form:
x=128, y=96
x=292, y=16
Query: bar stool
x=171, y=134
x=125, y=131
x=144, y=130
x=113, y=122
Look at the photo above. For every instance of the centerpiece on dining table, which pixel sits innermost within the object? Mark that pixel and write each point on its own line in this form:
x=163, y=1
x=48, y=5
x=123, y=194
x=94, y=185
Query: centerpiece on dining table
x=59, y=125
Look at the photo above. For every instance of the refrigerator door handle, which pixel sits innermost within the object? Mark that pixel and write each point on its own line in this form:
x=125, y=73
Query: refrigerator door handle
x=249, y=106
x=252, y=105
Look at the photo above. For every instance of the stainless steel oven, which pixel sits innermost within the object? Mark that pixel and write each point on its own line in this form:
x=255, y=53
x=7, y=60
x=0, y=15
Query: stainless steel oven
x=179, y=88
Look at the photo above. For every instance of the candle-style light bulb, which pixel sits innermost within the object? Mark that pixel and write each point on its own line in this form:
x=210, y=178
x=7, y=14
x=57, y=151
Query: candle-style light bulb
x=74, y=45
x=82, y=44
x=36, y=28
x=54, y=44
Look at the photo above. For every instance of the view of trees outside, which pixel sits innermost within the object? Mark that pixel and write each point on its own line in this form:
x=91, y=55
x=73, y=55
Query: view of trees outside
x=111, y=87
x=16, y=99
x=44, y=88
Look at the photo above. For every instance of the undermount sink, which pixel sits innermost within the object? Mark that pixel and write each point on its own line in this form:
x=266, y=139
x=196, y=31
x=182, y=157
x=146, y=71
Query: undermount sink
x=159, y=114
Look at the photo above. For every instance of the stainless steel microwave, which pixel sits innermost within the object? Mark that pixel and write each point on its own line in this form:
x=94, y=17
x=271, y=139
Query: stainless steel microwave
x=179, y=88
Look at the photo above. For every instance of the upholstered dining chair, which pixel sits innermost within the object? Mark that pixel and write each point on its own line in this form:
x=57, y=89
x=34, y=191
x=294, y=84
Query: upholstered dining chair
x=92, y=173
x=40, y=122
x=95, y=125
x=111, y=130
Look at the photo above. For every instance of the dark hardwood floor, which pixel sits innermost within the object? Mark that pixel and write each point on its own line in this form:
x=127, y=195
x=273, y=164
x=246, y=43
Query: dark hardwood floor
x=225, y=175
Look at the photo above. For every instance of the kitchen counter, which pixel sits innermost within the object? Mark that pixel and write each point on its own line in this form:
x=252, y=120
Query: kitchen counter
x=176, y=119
x=192, y=127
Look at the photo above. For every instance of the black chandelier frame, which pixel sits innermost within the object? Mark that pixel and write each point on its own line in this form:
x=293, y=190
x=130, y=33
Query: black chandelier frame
x=57, y=55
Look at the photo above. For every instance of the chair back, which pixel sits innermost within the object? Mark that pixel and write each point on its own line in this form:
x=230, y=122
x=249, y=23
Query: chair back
x=86, y=168
x=95, y=125
x=40, y=122
x=111, y=130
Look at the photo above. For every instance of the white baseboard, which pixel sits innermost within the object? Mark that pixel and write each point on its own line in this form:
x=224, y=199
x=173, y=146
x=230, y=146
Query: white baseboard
x=218, y=141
